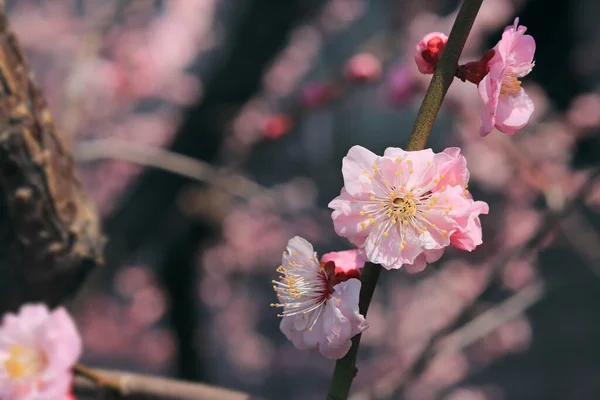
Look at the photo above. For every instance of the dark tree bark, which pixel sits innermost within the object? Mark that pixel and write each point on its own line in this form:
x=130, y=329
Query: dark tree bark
x=49, y=232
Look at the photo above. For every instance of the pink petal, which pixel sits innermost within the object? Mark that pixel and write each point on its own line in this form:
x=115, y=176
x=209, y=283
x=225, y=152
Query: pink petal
x=427, y=257
x=346, y=218
x=344, y=260
x=513, y=112
x=354, y=165
x=300, y=249
x=294, y=335
x=61, y=343
x=453, y=166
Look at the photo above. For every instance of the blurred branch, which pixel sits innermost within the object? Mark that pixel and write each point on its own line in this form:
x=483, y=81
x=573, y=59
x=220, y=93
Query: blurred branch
x=150, y=156
x=130, y=386
x=584, y=239
x=463, y=337
x=49, y=229
x=345, y=368
x=551, y=221
x=491, y=319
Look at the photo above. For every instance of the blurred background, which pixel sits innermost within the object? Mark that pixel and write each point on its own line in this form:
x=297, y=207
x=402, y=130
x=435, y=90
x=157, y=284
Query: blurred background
x=209, y=132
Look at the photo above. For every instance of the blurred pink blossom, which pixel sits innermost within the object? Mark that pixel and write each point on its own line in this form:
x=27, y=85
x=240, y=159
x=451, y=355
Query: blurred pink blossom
x=584, y=112
x=363, y=67
x=318, y=311
x=517, y=274
x=317, y=94
x=38, y=349
x=401, y=209
x=505, y=104
x=401, y=84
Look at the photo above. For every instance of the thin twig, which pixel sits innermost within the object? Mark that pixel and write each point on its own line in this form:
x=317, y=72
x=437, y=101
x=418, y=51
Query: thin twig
x=464, y=337
x=151, y=156
x=99, y=380
x=137, y=387
x=491, y=319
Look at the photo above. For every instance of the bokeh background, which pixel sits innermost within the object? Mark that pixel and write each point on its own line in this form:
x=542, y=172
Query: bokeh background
x=254, y=103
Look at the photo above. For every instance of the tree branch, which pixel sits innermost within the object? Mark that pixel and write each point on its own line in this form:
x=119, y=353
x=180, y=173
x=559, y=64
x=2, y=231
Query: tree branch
x=144, y=387
x=49, y=230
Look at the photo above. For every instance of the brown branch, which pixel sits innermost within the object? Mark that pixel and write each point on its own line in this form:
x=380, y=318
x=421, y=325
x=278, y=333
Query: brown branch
x=152, y=156
x=49, y=229
x=145, y=387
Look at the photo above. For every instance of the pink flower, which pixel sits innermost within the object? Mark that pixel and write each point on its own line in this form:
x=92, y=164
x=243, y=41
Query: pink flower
x=429, y=50
x=320, y=306
x=38, y=349
x=505, y=104
x=404, y=208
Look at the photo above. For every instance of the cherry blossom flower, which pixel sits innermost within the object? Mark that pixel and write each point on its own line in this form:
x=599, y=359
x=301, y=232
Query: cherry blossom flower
x=429, y=50
x=505, y=104
x=319, y=300
x=38, y=349
x=405, y=207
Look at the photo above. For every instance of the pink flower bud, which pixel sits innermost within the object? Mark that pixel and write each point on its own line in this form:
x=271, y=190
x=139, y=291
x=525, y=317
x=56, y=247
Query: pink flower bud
x=429, y=51
x=401, y=84
x=363, y=67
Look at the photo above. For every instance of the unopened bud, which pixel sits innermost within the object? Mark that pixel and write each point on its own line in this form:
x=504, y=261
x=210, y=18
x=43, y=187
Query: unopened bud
x=429, y=51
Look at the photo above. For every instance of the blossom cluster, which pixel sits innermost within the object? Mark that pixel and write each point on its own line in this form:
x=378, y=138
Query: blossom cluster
x=505, y=104
x=402, y=208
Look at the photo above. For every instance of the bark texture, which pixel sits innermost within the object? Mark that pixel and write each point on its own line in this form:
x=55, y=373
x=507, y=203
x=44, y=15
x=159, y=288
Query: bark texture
x=50, y=236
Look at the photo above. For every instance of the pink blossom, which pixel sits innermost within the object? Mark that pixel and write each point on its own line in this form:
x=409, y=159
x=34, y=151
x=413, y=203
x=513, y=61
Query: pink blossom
x=401, y=84
x=429, y=50
x=405, y=207
x=505, y=104
x=38, y=349
x=320, y=309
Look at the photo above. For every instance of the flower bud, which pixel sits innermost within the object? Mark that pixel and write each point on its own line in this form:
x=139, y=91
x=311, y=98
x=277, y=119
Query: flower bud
x=429, y=51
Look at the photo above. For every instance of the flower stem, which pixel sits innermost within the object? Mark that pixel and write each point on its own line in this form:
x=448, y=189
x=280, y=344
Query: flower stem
x=345, y=368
